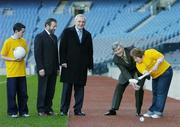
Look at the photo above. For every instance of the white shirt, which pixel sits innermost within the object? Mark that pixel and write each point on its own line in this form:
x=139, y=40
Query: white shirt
x=79, y=32
x=47, y=32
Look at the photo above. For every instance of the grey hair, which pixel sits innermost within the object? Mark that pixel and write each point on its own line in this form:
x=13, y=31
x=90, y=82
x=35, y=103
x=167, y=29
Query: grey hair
x=116, y=45
x=80, y=15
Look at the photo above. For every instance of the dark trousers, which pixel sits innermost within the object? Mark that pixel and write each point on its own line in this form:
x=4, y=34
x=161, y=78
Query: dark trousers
x=17, y=86
x=118, y=94
x=46, y=90
x=160, y=88
x=66, y=97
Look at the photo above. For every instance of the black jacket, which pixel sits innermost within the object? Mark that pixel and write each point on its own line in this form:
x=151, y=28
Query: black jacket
x=78, y=56
x=46, y=52
x=128, y=70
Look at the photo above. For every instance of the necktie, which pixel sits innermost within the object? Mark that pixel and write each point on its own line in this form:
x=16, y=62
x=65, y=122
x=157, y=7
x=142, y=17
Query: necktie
x=51, y=36
x=80, y=35
x=125, y=58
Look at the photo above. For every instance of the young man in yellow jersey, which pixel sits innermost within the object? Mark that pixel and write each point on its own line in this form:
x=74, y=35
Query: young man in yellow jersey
x=153, y=63
x=16, y=73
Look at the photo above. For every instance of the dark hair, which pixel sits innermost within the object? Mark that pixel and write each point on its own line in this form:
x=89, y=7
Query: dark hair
x=49, y=20
x=136, y=52
x=18, y=26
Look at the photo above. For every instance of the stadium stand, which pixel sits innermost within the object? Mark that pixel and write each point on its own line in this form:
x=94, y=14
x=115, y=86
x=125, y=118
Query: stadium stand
x=108, y=21
x=33, y=14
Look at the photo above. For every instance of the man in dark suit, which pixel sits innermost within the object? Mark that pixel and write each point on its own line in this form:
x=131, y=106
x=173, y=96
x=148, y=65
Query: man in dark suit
x=76, y=57
x=46, y=57
x=128, y=70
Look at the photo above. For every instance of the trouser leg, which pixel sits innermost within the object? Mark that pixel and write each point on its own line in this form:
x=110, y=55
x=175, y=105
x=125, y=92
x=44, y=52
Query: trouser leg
x=118, y=94
x=66, y=97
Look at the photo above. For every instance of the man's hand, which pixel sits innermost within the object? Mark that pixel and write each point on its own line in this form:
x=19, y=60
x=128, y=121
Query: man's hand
x=64, y=65
x=11, y=59
x=18, y=59
x=42, y=72
x=135, y=86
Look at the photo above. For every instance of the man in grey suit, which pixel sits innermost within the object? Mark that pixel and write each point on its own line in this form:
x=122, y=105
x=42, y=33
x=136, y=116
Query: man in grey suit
x=128, y=70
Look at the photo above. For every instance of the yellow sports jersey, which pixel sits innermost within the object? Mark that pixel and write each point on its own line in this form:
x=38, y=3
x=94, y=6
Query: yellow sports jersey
x=14, y=68
x=149, y=60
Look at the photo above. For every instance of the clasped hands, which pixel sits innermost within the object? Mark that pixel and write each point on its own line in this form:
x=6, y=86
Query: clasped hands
x=134, y=82
x=135, y=86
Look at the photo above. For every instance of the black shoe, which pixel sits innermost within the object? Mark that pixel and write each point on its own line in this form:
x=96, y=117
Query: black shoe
x=138, y=114
x=24, y=115
x=14, y=115
x=110, y=112
x=79, y=114
x=63, y=114
x=42, y=114
x=51, y=113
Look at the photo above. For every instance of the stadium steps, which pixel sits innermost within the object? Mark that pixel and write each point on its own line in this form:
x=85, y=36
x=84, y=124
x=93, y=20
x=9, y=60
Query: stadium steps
x=143, y=23
x=71, y=23
x=145, y=7
x=60, y=8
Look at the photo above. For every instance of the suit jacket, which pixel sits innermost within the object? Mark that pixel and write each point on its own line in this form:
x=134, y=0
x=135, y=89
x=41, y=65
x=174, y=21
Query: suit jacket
x=46, y=52
x=78, y=56
x=128, y=70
